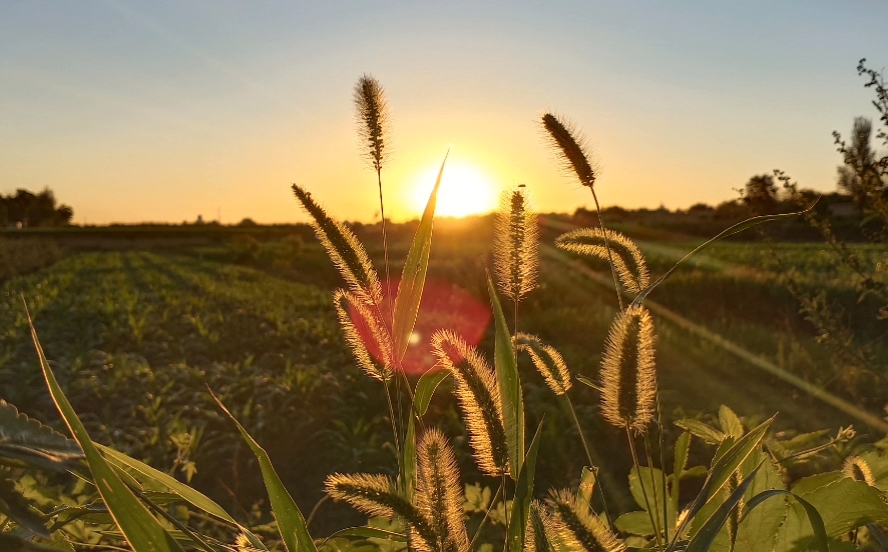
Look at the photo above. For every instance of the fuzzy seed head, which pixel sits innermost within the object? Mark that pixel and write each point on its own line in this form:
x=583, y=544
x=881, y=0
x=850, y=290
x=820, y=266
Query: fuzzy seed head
x=439, y=492
x=536, y=536
x=377, y=495
x=858, y=469
x=373, y=120
x=628, y=260
x=548, y=362
x=344, y=249
x=628, y=372
x=578, y=528
x=570, y=146
x=361, y=323
x=477, y=391
x=516, y=245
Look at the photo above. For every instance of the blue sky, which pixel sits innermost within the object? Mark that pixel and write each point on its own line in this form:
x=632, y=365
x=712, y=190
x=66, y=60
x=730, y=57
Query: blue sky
x=161, y=111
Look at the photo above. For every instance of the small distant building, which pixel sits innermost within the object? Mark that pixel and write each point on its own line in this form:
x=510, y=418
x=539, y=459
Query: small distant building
x=200, y=220
x=846, y=209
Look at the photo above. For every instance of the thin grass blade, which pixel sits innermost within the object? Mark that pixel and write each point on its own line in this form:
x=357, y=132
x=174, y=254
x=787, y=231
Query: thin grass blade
x=414, y=275
x=703, y=540
x=141, y=530
x=509, y=385
x=291, y=522
x=739, y=227
x=523, y=495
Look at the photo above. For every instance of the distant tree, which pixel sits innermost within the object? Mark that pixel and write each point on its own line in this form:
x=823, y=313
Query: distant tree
x=247, y=222
x=700, y=209
x=760, y=194
x=30, y=209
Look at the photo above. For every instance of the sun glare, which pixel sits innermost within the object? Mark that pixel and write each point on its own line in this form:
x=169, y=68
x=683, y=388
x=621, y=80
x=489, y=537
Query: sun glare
x=464, y=191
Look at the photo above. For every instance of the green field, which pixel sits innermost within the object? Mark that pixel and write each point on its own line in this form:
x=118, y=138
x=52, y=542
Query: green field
x=137, y=334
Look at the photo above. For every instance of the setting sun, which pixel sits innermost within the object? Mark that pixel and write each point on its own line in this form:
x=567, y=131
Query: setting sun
x=464, y=191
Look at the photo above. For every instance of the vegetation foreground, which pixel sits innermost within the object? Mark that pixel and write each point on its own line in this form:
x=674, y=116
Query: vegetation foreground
x=271, y=351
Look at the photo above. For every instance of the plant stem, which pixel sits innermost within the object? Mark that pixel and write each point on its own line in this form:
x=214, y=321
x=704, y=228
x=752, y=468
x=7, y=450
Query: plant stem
x=610, y=259
x=656, y=501
x=486, y=516
x=662, y=447
x=647, y=503
x=588, y=450
x=508, y=519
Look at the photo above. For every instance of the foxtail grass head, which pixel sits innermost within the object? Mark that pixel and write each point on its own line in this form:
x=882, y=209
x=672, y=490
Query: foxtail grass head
x=576, y=527
x=570, y=146
x=377, y=495
x=344, y=249
x=439, y=492
x=477, y=391
x=516, y=245
x=858, y=469
x=548, y=361
x=628, y=373
x=366, y=334
x=627, y=259
x=373, y=120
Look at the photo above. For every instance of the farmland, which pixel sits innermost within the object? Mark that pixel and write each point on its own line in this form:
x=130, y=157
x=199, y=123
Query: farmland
x=137, y=333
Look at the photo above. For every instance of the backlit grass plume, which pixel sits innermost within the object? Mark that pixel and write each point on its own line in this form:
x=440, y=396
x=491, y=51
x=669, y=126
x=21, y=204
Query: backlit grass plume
x=535, y=537
x=548, y=361
x=360, y=323
x=344, y=249
x=373, y=120
x=570, y=144
x=627, y=259
x=628, y=374
x=516, y=245
x=478, y=394
x=858, y=469
x=377, y=495
x=439, y=492
x=577, y=528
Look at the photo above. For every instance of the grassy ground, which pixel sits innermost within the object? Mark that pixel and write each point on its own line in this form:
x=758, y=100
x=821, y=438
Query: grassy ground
x=135, y=337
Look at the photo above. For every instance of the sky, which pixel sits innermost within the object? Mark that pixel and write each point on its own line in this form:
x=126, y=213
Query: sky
x=165, y=110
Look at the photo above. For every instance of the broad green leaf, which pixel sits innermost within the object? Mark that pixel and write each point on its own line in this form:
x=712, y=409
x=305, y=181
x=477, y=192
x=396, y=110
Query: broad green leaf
x=635, y=523
x=291, y=523
x=682, y=447
x=730, y=423
x=414, y=275
x=709, y=434
x=811, y=483
x=25, y=440
x=425, y=388
x=141, y=530
x=509, y=385
x=802, y=528
x=523, y=495
x=702, y=541
x=652, y=480
x=145, y=474
x=727, y=464
x=739, y=227
x=846, y=504
x=758, y=530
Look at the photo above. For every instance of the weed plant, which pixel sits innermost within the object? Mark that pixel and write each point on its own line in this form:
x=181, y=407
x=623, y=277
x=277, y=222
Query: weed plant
x=742, y=503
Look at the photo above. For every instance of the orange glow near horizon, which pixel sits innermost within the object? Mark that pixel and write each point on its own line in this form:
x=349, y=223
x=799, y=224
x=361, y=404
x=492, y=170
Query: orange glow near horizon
x=464, y=191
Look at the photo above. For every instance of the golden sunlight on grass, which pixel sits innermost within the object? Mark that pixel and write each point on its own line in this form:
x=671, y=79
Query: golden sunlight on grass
x=464, y=191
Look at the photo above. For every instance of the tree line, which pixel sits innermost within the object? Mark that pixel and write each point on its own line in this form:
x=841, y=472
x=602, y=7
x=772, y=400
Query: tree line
x=27, y=209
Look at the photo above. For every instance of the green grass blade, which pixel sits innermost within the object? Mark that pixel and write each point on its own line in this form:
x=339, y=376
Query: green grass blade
x=425, y=388
x=509, y=385
x=368, y=533
x=291, y=522
x=704, y=538
x=726, y=465
x=414, y=275
x=142, y=531
x=523, y=495
x=739, y=227
x=147, y=475
x=682, y=448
